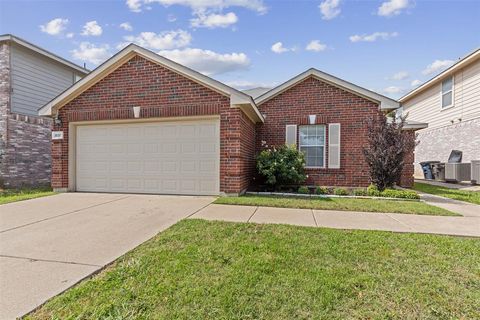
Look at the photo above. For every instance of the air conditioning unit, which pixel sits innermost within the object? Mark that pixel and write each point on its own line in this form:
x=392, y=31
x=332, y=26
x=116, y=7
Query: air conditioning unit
x=457, y=172
x=475, y=172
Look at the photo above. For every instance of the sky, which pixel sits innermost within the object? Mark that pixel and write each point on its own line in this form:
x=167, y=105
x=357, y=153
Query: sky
x=388, y=46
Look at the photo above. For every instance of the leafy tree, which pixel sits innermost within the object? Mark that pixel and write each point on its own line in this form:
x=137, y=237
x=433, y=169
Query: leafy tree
x=386, y=149
x=281, y=166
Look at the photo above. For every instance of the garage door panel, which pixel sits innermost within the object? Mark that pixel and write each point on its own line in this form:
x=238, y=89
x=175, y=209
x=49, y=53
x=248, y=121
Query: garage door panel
x=161, y=157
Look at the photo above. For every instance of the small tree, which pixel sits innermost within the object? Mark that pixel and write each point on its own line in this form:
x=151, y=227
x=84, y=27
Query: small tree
x=386, y=150
x=281, y=166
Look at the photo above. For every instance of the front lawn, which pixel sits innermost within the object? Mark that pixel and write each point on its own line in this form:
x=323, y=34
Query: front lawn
x=344, y=204
x=468, y=196
x=12, y=195
x=218, y=270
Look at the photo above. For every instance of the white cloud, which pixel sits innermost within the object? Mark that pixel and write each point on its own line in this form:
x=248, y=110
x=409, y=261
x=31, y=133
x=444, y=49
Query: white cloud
x=329, y=9
x=279, y=48
x=393, y=90
x=69, y=35
x=91, y=28
x=401, y=75
x=206, y=61
x=202, y=5
x=126, y=26
x=134, y=5
x=416, y=83
x=55, y=26
x=437, y=65
x=245, y=84
x=161, y=41
x=373, y=37
x=315, y=45
x=214, y=20
x=392, y=7
x=92, y=53
x=171, y=18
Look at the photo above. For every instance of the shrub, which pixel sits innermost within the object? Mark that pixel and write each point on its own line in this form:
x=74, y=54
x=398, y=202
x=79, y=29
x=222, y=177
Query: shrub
x=386, y=149
x=303, y=190
x=340, y=192
x=360, y=192
x=282, y=166
x=372, y=191
x=321, y=190
x=404, y=194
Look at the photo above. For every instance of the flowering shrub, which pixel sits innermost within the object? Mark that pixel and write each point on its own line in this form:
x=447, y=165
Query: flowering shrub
x=280, y=166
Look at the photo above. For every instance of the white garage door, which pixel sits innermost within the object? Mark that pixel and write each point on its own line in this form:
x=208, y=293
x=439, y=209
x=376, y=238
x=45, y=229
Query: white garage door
x=180, y=157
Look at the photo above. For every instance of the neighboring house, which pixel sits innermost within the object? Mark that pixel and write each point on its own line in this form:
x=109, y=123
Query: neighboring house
x=29, y=78
x=195, y=135
x=450, y=103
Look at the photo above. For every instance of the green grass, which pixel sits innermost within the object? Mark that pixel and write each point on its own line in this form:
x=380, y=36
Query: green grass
x=468, y=196
x=219, y=270
x=345, y=204
x=7, y=196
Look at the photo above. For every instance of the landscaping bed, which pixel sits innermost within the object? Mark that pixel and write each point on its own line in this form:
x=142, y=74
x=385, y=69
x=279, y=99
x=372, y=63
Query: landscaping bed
x=217, y=270
x=456, y=194
x=338, y=203
x=13, y=195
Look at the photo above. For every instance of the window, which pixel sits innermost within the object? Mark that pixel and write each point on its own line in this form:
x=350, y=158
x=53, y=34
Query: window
x=312, y=143
x=447, y=92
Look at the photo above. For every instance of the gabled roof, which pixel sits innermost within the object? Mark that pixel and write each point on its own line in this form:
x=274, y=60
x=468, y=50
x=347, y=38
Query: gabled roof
x=256, y=92
x=237, y=98
x=48, y=54
x=385, y=102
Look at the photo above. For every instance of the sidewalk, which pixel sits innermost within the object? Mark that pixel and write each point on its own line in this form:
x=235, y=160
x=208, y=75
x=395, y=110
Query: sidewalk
x=458, y=226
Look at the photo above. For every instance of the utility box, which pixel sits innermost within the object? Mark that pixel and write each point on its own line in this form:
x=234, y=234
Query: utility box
x=457, y=172
x=475, y=172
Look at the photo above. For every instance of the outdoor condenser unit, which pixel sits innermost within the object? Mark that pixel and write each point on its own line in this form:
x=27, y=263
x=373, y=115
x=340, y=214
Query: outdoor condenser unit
x=476, y=171
x=457, y=172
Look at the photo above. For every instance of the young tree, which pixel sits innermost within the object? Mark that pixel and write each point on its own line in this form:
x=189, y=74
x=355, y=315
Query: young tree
x=386, y=149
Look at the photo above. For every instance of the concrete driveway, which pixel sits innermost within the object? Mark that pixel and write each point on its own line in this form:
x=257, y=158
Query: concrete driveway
x=49, y=244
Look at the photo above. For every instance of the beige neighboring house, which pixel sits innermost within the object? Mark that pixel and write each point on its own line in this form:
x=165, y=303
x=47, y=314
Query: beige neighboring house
x=450, y=104
x=29, y=77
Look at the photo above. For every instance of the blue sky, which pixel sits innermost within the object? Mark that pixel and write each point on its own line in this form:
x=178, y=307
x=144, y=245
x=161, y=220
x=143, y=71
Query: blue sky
x=389, y=46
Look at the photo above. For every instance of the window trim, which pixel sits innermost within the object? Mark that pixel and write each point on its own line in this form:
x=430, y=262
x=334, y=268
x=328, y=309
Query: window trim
x=451, y=105
x=324, y=145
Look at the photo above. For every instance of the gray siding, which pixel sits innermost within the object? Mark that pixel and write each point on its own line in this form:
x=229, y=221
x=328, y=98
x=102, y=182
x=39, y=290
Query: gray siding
x=35, y=80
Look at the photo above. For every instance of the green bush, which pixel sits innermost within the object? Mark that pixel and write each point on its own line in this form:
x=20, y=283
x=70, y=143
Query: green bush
x=321, y=190
x=372, y=191
x=282, y=166
x=392, y=193
x=360, y=192
x=303, y=190
x=340, y=192
x=403, y=194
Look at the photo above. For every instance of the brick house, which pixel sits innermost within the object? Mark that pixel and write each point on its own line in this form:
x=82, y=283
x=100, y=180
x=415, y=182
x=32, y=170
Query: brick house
x=142, y=123
x=29, y=78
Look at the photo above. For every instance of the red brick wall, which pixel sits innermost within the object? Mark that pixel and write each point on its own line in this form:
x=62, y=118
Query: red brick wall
x=160, y=93
x=406, y=180
x=331, y=105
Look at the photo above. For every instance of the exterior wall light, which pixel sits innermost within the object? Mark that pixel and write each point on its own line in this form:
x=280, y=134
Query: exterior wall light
x=312, y=119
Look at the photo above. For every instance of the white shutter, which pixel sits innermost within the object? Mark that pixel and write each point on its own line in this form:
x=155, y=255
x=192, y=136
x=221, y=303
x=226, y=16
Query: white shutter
x=291, y=134
x=334, y=145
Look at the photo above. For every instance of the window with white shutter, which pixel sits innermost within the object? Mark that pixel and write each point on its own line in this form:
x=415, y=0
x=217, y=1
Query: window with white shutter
x=291, y=134
x=334, y=145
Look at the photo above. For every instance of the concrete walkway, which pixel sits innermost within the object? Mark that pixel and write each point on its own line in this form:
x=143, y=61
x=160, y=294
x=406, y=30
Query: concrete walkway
x=465, y=186
x=458, y=226
x=464, y=208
